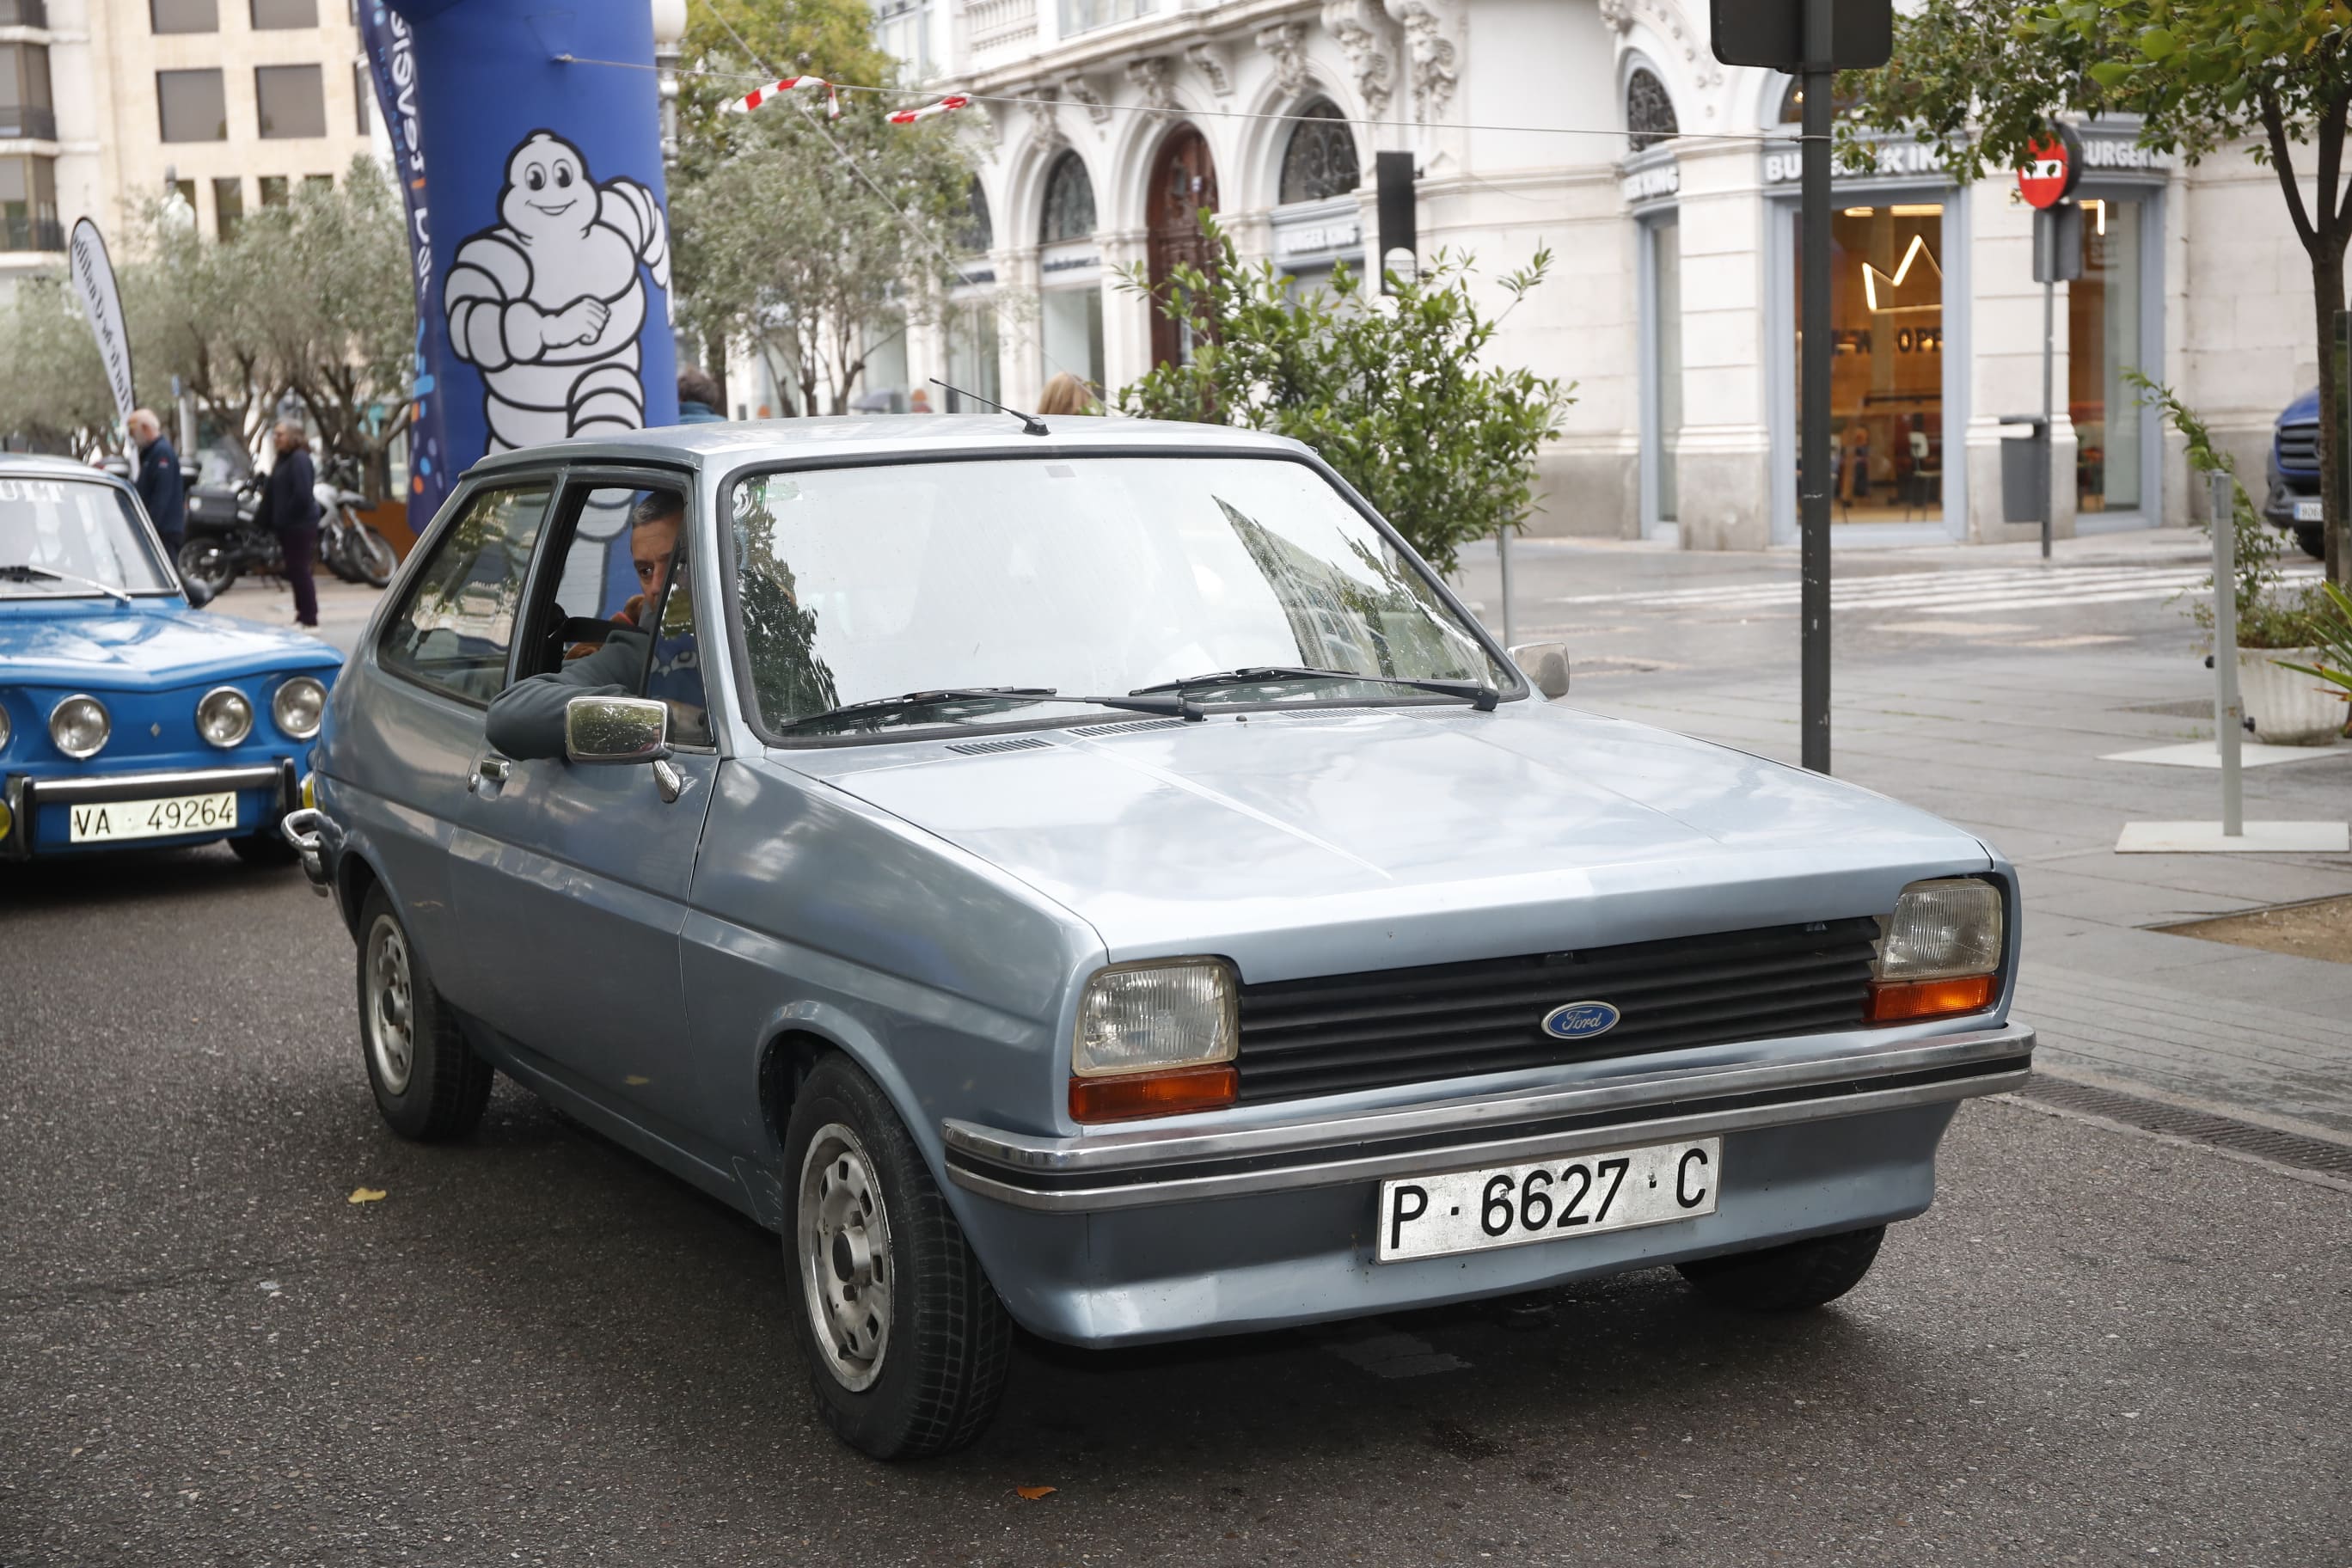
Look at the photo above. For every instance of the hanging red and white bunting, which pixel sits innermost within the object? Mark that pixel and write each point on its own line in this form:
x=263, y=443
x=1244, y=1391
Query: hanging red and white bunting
x=791, y=84
x=953, y=100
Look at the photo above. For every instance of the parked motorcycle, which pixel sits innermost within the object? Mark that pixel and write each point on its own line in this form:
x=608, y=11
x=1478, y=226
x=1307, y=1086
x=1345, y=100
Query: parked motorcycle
x=352, y=550
x=224, y=543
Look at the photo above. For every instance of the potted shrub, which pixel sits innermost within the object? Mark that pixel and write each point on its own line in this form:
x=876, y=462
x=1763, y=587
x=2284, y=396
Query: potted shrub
x=2333, y=633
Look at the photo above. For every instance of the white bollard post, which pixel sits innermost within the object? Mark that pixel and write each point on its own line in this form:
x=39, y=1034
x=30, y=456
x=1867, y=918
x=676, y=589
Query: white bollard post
x=2228, y=712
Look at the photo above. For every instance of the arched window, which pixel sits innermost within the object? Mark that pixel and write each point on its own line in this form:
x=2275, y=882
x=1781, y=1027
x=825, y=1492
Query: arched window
x=1321, y=160
x=976, y=233
x=1649, y=112
x=1069, y=200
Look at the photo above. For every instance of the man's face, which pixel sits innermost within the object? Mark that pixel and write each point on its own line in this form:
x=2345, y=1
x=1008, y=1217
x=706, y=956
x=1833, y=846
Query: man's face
x=651, y=544
x=144, y=432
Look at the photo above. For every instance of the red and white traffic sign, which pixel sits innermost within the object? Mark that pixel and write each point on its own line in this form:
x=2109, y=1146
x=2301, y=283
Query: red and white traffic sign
x=2052, y=168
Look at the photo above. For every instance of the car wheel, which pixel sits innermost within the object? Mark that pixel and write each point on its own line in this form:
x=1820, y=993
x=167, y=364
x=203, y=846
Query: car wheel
x=429, y=1083
x=907, y=1342
x=267, y=847
x=2314, y=539
x=1788, y=1278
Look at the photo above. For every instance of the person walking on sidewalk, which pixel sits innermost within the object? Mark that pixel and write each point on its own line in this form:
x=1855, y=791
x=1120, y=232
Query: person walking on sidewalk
x=161, y=486
x=290, y=510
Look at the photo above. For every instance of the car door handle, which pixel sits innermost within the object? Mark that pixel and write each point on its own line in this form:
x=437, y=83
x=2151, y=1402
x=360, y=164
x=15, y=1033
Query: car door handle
x=491, y=770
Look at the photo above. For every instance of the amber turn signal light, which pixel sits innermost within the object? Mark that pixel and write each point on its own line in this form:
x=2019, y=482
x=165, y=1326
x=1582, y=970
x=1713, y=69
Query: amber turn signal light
x=1898, y=1001
x=1130, y=1095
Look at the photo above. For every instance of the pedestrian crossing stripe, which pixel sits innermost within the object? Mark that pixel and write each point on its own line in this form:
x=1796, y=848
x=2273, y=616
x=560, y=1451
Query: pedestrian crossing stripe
x=1942, y=593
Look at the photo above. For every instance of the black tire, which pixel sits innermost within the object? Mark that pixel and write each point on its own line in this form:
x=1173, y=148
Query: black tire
x=206, y=563
x=373, y=557
x=436, y=1093
x=1788, y=1278
x=267, y=847
x=2313, y=537
x=943, y=1342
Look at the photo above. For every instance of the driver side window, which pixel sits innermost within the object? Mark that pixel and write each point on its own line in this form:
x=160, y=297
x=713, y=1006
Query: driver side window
x=623, y=570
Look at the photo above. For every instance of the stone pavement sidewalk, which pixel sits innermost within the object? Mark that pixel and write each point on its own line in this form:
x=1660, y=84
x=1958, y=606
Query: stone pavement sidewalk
x=2009, y=745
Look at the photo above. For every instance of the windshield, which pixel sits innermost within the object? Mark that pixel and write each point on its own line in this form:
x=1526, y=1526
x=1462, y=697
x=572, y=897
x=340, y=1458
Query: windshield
x=1088, y=576
x=70, y=538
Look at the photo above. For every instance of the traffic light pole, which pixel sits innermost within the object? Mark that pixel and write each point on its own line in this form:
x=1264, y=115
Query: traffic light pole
x=1813, y=511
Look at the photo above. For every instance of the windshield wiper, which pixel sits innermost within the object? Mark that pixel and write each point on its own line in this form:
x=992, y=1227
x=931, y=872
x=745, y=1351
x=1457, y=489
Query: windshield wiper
x=1478, y=694
x=25, y=571
x=877, y=707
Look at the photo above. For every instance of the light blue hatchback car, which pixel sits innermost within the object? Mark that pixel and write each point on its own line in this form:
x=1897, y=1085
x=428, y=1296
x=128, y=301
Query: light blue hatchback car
x=1103, y=881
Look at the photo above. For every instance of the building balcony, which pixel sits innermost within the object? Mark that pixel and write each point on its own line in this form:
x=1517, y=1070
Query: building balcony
x=19, y=232
x=994, y=25
x=25, y=121
x=1085, y=15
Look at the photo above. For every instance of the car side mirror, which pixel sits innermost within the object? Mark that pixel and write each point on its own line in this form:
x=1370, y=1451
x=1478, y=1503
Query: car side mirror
x=199, y=594
x=615, y=730
x=1545, y=664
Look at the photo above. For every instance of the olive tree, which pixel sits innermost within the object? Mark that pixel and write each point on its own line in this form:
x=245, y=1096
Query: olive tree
x=1389, y=390
x=2274, y=76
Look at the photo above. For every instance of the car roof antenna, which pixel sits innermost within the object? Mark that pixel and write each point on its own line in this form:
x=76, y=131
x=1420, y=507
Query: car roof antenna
x=1030, y=423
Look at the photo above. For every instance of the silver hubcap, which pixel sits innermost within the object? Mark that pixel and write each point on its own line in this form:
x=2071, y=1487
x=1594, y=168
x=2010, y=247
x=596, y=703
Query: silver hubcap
x=846, y=1270
x=390, y=1005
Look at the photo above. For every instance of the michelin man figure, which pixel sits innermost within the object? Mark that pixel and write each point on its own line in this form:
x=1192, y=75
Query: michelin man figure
x=547, y=303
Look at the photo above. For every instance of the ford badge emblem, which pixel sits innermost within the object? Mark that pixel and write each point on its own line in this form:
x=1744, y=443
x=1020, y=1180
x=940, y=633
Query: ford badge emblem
x=1579, y=1020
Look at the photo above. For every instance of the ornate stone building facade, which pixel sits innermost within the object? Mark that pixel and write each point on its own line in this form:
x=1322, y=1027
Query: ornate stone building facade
x=1665, y=185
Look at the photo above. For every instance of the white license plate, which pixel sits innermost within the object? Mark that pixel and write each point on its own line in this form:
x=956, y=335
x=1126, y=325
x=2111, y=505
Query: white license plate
x=153, y=818
x=2307, y=512
x=1551, y=1200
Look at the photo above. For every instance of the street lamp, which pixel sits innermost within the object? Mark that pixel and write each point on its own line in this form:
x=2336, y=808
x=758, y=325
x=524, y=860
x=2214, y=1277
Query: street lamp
x=669, y=29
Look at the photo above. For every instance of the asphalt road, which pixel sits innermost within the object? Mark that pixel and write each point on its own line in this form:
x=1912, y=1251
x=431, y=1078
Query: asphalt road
x=2097, y=1348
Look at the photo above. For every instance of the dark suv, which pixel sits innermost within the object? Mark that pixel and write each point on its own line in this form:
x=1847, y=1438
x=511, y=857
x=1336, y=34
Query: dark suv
x=2293, y=500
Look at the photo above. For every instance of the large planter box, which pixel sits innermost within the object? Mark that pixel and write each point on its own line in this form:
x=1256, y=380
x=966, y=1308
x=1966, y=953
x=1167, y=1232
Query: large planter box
x=2288, y=709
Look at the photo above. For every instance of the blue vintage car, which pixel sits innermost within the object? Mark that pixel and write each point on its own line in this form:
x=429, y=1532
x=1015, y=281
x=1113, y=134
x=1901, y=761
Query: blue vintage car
x=129, y=716
x=1101, y=880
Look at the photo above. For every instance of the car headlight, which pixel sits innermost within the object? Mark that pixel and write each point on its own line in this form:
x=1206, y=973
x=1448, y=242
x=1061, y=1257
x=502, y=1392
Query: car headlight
x=1939, y=952
x=297, y=707
x=79, y=727
x=1155, y=1038
x=224, y=716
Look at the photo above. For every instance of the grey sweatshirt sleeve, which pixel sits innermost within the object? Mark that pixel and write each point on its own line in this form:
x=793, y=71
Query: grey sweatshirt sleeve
x=526, y=719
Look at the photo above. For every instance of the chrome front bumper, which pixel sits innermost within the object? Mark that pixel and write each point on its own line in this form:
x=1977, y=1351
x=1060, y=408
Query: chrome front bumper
x=26, y=794
x=1139, y=1168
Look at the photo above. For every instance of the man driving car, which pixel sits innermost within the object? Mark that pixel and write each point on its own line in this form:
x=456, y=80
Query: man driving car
x=526, y=719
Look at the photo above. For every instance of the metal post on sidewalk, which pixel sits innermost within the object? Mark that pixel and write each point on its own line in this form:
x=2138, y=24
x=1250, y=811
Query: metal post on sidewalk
x=2228, y=712
x=1503, y=555
x=2045, y=233
x=1813, y=459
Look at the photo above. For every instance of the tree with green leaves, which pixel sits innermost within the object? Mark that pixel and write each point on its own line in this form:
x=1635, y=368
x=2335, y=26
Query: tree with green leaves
x=1987, y=77
x=1388, y=390
x=813, y=239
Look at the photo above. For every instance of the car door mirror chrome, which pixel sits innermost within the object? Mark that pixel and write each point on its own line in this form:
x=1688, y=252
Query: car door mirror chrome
x=198, y=591
x=615, y=730
x=1545, y=664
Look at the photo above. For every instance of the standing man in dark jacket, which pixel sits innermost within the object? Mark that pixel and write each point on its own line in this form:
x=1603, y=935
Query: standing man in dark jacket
x=161, y=486
x=289, y=509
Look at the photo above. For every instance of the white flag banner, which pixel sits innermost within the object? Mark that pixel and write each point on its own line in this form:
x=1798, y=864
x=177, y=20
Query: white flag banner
x=93, y=275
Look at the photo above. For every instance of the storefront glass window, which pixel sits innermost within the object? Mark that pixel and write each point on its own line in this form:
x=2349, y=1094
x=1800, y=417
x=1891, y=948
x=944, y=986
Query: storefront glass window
x=1072, y=326
x=2102, y=318
x=1666, y=302
x=971, y=356
x=1886, y=366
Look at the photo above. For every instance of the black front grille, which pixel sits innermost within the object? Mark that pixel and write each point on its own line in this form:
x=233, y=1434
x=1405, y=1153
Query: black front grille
x=1338, y=1032
x=2298, y=445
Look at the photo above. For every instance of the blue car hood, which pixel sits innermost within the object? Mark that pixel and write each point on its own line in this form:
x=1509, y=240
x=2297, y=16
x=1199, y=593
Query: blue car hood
x=149, y=644
x=1304, y=843
x=2304, y=410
